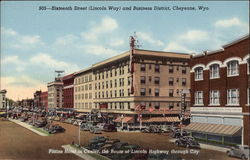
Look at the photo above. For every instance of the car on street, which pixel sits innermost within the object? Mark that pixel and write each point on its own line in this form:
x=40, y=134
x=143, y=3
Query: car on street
x=188, y=142
x=55, y=129
x=95, y=130
x=119, y=145
x=40, y=123
x=177, y=133
x=109, y=128
x=241, y=151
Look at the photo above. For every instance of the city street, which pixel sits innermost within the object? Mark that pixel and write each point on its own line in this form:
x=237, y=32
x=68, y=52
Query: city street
x=20, y=143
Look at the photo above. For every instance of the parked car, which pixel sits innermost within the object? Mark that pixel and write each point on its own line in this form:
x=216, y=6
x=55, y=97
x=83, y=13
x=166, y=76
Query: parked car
x=109, y=128
x=98, y=139
x=177, y=133
x=188, y=142
x=23, y=119
x=112, y=141
x=119, y=145
x=95, y=130
x=239, y=151
x=40, y=123
x=56, y=129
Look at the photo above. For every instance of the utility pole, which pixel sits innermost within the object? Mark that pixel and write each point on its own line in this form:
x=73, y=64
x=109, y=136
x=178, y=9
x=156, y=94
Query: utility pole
x=79, y=135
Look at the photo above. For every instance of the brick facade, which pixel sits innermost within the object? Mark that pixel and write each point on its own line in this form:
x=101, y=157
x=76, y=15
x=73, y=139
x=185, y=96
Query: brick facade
x=237, y=50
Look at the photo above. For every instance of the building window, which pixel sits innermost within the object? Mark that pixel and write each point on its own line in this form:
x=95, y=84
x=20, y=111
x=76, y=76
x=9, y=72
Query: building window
x=171, y=105
x=171, y=69
x=214, y=98
x=214, y=71
x=157, y=92
x=157, y=80
x=107, y=84
x=128, y=80
x=143, y=79
x=199, y=73
x=198, y=98
x=143, y=67
x=184, y=70
x=171, y=93
x=157, y=68
x=149, y=66
x=149, y=91
x=171, y=81
x=157, y=105
x=184, y=82
x=111, y=73
x=149, y=78
x=143, y=91
x=115, y=83
x=233, y=68
x=233, y=97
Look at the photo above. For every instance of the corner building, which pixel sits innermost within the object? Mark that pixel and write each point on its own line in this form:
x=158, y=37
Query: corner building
x=220, y=94
x=157, y=81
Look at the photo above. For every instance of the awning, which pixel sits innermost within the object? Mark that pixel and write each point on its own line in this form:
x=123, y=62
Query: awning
x=218, y=129
x=161, y=119
x=125, y=120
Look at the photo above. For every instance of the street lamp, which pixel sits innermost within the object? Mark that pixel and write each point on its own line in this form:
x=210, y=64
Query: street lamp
x=122, y=120
x=79, y=135
x=183, y=106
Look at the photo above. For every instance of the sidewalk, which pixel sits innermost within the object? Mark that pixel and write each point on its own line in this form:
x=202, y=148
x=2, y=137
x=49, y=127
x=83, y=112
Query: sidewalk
x=208, y=146
x=83, y=154
x=27, y=126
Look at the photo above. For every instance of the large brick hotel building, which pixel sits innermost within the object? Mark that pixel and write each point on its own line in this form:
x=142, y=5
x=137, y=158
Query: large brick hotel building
x=220, y=94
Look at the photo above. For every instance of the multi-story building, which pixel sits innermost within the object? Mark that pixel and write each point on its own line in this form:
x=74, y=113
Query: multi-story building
x=55, y=93
x=154, y=86
x=68, y=91
x=44, y=100
x=220, y=94
x=37, y=98
x=27, y=103
x=3, y=99
x=83, y=90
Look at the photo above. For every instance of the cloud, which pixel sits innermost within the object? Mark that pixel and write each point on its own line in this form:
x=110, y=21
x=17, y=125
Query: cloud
x=194, y=36
x=175, y=47
x=15, y=40
x=106, y=25
x=21, y=87
x=148, y=38
x=228, y=22
x=116, y=42
x=47, y=60
x=20, y=65
x=8, y=32
x=66, y=40
x=99, y=50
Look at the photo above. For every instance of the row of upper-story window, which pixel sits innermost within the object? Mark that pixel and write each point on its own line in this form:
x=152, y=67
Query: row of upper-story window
x=171, y=92
x=83, y=88
x=110, y=73
x=171, y=68
x=110, y=94
x=83, y=79
x=111, y=83
x=157, y=80
x=83, y=96
x=233, y=69
x=233, y=97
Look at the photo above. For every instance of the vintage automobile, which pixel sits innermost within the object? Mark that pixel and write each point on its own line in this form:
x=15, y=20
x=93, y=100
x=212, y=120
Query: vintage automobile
x=109, y=128
x=119, y=145
x=95, y=130
x=177, y=133
x=55, y=129
x=188, y=142
x=98, y=139
x=241, y=151
x=152, y=129
x=112, y=141
x=40, y=123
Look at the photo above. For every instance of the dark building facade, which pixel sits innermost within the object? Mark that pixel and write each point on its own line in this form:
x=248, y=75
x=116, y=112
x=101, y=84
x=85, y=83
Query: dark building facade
x=68, y=91
x=37, y=99
x=220, y=105
x=44, y=100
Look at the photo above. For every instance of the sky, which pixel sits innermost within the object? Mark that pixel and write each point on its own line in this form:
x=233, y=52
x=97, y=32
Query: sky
x=35, y=43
